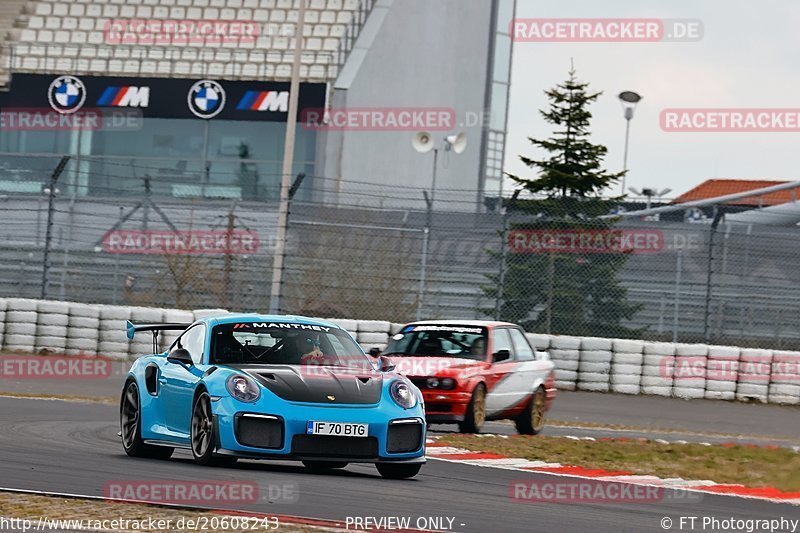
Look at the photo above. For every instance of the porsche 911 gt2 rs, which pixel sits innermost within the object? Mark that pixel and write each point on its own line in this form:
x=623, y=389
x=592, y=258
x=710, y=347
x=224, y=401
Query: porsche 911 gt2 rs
x=271, y=387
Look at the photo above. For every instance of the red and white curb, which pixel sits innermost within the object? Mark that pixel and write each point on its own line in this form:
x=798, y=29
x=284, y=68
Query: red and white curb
x=442, y=452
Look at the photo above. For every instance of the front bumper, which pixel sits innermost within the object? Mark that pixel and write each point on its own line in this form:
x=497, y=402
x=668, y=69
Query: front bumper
x=294, y=444
x=443, y=406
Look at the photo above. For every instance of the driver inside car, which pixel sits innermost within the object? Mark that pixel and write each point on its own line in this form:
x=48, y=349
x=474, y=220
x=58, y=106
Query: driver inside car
x=310, y=348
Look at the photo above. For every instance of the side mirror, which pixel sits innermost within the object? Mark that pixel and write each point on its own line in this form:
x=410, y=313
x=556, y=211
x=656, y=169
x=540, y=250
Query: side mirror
x=374, y=352
x=501, y=355
x=385, y=364
x=180, y=356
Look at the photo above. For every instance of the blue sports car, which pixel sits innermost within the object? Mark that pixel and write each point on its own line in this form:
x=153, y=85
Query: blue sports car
x=271, y=387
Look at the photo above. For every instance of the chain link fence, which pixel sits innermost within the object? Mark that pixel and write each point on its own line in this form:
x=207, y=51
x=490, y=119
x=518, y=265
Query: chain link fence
x=366, y=252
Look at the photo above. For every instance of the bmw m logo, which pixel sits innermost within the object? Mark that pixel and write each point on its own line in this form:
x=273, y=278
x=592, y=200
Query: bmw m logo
x=125, y=97
x=265, y=101
x=206, y=98
x=66, y=94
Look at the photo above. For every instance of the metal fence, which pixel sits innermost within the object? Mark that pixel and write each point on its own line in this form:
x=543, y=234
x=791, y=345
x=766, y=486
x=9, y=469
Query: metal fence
x=729, y=283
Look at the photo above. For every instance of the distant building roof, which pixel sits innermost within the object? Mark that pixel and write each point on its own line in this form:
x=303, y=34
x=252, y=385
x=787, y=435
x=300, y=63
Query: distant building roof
x=720, y=187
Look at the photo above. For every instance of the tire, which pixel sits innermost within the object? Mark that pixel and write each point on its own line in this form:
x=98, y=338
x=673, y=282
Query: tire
x=476, y=411
x=52, y=307
x=323, y=466
x=52, y=319
x=373, y=326
x=24, y=317
x=538, y=340
x=131, y=429
x=531, y=420
x=565, y=342
x=596, y=344
x=372, y=338
x=202, y=430
x=84, y=322
x=398, y=471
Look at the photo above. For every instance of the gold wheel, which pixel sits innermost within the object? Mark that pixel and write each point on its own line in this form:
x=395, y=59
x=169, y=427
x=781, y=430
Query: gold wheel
x=479, y=406
x=538, y=410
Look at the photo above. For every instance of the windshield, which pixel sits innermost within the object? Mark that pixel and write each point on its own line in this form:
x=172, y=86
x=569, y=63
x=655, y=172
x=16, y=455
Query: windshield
x=468, y=342
x=278, y=343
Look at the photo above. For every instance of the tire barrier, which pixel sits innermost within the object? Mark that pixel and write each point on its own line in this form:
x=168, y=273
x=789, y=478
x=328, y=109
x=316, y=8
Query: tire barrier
x=626, y=366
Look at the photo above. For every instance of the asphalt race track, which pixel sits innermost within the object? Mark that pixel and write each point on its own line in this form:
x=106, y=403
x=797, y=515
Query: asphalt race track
x=72, y=447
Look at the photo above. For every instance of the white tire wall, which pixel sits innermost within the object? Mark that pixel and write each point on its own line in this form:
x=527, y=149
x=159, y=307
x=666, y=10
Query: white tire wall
x=539, y=341
x=3, y=305
x=755, y=369
x=142, y=343
x=372, y=326
x=658, y=363
x=19, y=332
x=51, y=327
x=722, y=372
x=113, y=340
x=173, y=316
x=380, y=339
x=351, y=326
x=784, y=385
x=566, y=363
x=197, y=314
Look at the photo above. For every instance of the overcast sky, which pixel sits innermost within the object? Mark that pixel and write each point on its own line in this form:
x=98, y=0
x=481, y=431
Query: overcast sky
x=749, y=57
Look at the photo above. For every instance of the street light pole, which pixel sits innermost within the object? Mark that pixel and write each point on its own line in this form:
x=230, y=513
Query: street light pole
x=433, y=181
x=629, y=100
x=286, y=169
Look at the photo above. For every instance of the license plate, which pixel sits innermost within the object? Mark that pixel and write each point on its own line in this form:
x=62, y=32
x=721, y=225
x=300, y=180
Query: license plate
x=338, y=429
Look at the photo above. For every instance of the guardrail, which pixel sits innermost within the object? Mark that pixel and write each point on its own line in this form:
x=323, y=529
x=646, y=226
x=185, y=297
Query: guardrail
x=626, y=366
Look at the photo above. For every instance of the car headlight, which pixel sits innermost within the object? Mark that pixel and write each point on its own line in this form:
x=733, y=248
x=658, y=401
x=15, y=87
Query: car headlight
x=403, y=395
x=437, y=383
x=447, y=383
x=243, y=388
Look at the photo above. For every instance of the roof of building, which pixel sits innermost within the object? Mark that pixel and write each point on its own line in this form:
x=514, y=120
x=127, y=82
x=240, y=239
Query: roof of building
x=720, y=187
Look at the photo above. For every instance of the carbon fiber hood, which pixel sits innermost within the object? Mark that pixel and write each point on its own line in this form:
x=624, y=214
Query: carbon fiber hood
x=318, y=384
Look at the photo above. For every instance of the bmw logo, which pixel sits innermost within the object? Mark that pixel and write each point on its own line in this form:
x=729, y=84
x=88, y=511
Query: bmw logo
x=206, y=98
x=66, y=94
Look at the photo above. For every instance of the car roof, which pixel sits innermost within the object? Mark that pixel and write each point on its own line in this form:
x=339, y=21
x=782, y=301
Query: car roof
x=256, y=317
x=476, y=323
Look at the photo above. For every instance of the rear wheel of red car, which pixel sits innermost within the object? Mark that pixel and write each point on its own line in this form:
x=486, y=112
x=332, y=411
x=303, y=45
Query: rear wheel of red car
x=476, y=411
x=398, y=471
x=531, y=420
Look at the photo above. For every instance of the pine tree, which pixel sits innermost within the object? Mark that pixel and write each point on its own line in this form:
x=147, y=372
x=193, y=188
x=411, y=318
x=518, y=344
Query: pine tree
x=566, y=293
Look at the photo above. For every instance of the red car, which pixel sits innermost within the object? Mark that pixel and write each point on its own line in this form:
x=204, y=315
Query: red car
x=473, y=371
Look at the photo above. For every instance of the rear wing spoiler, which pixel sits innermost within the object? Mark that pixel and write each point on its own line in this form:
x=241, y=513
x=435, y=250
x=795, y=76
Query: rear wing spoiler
x=155, y=328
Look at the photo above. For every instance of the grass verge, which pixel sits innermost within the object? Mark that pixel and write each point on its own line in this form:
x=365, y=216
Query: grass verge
x=750, y=466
